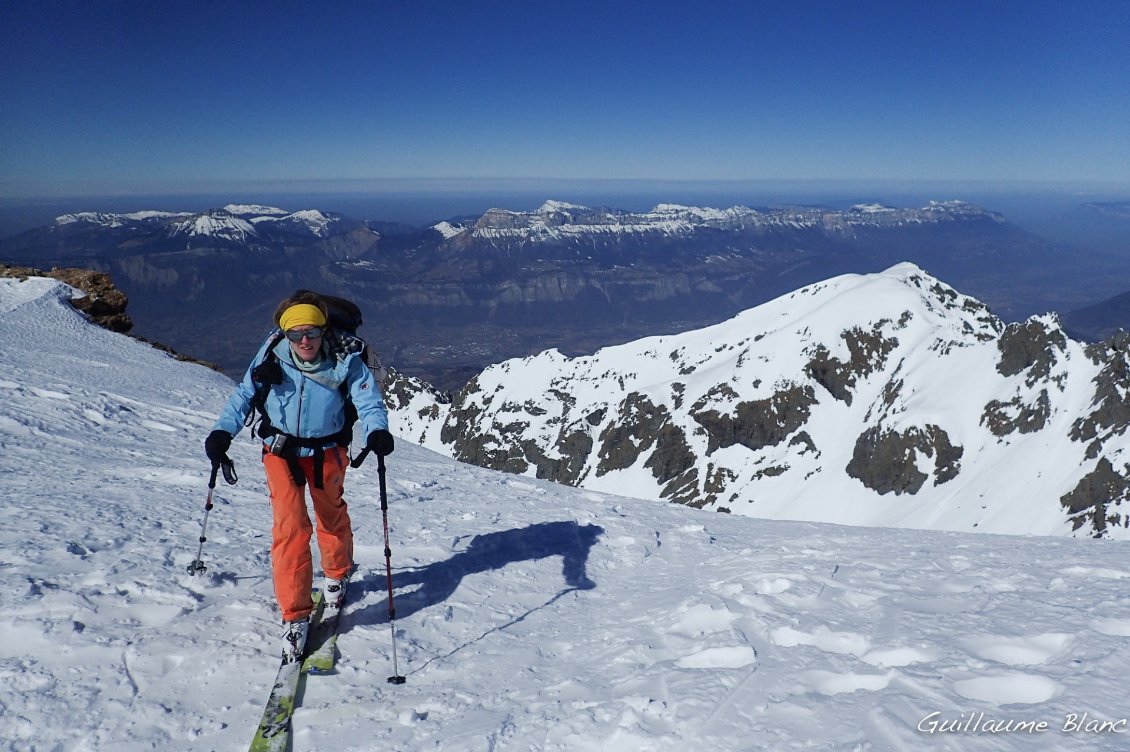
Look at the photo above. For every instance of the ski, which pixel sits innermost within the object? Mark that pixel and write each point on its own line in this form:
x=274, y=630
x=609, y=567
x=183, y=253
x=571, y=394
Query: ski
x=322, y=655
x=273, y=734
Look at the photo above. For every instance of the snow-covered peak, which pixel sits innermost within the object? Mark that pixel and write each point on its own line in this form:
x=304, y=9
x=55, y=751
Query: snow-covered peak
x=821, y=405
x=318, y=222
x=108, y=219
x=254, y=210
x=556, y=220
x=702, y=215
x=312, y=220
x=219, y=224
x=871, y=209
x=448, y=230
x=268, y=226
x=552, y=206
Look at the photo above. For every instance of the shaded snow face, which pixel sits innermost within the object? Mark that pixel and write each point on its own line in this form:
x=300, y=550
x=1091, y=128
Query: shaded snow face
x=826, y=404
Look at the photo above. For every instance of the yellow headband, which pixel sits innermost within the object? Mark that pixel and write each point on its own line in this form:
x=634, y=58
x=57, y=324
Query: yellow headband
x=301, y=314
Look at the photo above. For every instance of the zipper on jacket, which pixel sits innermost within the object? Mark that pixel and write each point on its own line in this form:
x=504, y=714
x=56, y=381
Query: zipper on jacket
x=301, y=396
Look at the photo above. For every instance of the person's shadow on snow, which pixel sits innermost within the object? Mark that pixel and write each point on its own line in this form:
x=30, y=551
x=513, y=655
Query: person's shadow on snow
x=438, y=581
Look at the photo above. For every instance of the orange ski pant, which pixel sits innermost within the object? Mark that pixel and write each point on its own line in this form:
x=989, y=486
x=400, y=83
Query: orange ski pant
x=291, y=562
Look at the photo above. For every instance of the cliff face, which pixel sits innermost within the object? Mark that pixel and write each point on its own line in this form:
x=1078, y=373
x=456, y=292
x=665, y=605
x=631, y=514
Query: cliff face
x=886, y=399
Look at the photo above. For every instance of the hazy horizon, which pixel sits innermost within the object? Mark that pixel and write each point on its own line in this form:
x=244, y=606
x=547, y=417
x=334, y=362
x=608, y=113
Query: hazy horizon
x=1035, y=205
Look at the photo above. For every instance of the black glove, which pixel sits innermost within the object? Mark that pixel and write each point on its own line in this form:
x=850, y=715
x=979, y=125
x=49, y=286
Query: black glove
x=216, y=447
x=380, y=443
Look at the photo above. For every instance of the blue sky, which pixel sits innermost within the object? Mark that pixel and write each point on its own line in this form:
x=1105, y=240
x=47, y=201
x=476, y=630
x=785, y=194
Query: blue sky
x=105, y=97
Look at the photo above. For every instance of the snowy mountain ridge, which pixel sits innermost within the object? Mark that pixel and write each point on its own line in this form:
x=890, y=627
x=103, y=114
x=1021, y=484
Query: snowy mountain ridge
x=555, y=220
x=234, y=222
x=562, y=276
x=884, y=400
x=530, y=615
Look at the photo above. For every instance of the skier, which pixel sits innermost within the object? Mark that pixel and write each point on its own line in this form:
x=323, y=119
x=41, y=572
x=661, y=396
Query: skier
x=302, y=384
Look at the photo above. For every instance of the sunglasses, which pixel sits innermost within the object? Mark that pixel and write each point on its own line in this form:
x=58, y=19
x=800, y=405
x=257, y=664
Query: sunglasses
x=296, y=336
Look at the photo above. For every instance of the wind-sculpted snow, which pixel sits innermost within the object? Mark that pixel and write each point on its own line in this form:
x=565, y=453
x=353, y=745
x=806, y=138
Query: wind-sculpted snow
x=530, y=615
x=886, y=399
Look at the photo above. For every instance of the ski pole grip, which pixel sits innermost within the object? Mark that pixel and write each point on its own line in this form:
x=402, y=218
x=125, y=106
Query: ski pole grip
x=356, y=463
x=215, y=471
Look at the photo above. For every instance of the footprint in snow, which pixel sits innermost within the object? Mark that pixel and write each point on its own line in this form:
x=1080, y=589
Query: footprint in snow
x=1008, y=689
x=851, y=643
x=736, y=656
x=903, y=656
x=1031, y=650
x=1112, y=627
x=823, y=639
x=702, y=619
x=831, y=683
x=772, y=585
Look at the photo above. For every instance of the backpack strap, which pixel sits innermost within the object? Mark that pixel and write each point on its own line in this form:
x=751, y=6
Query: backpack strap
x=265, y=375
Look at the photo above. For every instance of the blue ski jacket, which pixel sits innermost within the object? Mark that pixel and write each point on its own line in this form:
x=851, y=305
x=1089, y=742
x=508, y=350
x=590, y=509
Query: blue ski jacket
x=309, y=404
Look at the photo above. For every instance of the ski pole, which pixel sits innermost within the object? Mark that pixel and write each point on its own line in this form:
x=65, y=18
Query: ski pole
x=396, y=677
x=197, y=565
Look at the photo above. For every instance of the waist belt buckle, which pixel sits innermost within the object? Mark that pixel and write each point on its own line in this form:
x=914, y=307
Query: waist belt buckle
x=278, y=444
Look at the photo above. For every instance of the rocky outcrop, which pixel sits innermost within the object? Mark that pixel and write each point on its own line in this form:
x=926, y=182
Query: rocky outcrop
x=868, y=354
x=888, y=461
x=1109, y=412
x=636, y=428
x=754, y=424
x=1032, y=348
x=1096, y=502
x=1016, y=415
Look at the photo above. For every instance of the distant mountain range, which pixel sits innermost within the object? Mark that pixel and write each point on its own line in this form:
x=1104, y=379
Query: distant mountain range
x=102, y=235
x=887, y=399
x=446, y=300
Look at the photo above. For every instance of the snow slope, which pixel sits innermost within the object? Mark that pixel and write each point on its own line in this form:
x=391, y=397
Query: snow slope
x=531, y=616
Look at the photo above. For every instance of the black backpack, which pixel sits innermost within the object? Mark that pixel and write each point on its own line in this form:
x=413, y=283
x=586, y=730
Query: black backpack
x=343, y=321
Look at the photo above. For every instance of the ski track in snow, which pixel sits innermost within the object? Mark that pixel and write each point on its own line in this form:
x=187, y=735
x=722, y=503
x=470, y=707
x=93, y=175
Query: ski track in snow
x=529, y=616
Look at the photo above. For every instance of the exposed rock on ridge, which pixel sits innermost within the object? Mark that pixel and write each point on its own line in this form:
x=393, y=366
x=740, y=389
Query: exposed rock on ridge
x=103, y=302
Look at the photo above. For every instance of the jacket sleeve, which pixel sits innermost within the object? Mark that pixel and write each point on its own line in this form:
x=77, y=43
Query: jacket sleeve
x=235, y=412
x=366, y=396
